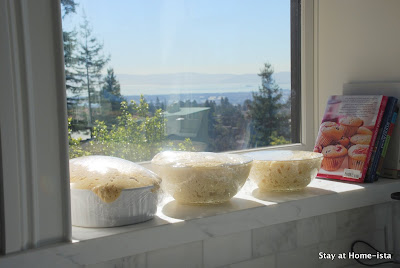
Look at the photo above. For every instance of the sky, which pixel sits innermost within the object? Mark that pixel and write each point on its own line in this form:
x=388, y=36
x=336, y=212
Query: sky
x=200, y=36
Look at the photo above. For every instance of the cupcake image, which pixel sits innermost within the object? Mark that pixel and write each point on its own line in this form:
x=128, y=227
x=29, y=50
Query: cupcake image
x=317, y=148
x=361, y=139
x=329, y=132
x=350, y=125
x=344, y=141
x=334, y=156
x=357, y=156
x=364, y=130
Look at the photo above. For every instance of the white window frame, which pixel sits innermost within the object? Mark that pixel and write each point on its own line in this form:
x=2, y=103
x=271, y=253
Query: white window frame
x=33, y=126
x=34, y=144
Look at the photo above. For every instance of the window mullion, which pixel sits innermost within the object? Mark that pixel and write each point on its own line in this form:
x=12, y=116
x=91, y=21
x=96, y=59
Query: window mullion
x=33, y=126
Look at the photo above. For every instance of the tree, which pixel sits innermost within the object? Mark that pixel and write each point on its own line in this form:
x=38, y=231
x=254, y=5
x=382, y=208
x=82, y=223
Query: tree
x=225, y=126
x=91, y=62
x=69, y=6
x=265, y=111
x=72, y=79
x=111, y=90
x=158, y=103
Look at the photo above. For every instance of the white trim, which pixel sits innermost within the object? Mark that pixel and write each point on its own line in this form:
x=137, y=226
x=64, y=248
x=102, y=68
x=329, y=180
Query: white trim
x=9, y=136
x=317, y=121
x=307, y=72
x=33, y=125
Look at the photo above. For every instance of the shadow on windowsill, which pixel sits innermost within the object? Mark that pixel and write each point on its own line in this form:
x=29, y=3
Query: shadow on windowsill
x=187, y=212
x=280, y=197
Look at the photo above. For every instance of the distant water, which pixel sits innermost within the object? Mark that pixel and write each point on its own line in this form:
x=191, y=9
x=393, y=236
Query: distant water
x=234, y=97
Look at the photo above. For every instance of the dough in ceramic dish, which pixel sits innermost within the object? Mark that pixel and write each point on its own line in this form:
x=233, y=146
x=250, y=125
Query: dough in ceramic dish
x=107, y=176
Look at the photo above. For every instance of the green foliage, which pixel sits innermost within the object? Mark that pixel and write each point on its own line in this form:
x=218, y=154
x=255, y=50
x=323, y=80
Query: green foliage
x=75, y=148
x=277, y=140
x=186, y=145
x=269, y=118
x=136, y=136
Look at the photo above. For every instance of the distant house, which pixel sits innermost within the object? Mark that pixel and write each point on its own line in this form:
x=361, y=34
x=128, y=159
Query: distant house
x=189, y=122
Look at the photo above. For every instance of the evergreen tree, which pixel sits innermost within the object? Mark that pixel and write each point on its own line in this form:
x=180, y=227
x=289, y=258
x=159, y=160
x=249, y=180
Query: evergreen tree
x=111, y=85
x=111, y=90
x=226, y=126
x=72, y=79
x=265, y=110
x=68, y=6
x=158, y=104
x=152, y=108
x=91, y=63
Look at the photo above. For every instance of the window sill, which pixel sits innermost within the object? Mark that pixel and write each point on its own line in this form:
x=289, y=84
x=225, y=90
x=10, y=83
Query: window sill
x=177, y=224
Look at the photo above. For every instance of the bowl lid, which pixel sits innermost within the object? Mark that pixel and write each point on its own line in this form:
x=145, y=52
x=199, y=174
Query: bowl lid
x=283, y=155
x=198, y=159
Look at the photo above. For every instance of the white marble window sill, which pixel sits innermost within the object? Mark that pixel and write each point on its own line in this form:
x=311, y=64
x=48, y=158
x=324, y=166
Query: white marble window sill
x=251, y=208
x=177, y=224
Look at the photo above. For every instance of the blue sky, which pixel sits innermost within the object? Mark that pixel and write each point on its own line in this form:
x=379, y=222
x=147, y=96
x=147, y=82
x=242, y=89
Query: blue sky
x=202, y=36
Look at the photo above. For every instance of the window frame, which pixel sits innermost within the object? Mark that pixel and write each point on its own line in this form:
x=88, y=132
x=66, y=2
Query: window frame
x=33, y=66
x=34, y=178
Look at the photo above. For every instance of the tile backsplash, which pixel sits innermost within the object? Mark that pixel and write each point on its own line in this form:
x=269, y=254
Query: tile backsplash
x=290, y=244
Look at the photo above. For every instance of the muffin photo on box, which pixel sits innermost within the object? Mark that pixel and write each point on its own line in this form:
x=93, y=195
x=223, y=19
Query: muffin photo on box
x=317, y=149
x=357, y=156
x=334, y=156
x=364, y=131
x=360, y=118
x=350, y=125
x=344, y=141
x=361, y=139
x=329, y=132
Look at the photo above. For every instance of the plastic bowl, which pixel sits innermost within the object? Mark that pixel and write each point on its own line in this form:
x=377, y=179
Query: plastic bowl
x=200, y=177
x=284, y=170
x=132, y=206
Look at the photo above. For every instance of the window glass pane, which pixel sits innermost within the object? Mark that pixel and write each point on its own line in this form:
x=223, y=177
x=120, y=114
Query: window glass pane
x=146, y=76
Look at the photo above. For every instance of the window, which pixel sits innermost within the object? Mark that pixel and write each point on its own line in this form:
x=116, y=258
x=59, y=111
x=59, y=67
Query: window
x=33, y=126
x=184, y=75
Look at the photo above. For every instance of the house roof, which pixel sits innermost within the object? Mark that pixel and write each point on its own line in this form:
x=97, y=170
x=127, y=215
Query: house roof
x=186, y=111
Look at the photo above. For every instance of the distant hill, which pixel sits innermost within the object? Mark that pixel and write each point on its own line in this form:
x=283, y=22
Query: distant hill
x=197, y=78
x=182, y=83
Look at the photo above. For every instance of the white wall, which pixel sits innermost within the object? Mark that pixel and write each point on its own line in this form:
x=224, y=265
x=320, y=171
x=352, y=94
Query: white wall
x=357, y=40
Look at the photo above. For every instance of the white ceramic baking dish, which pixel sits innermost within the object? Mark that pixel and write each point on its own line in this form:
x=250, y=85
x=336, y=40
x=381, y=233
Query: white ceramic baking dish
x=132, y=206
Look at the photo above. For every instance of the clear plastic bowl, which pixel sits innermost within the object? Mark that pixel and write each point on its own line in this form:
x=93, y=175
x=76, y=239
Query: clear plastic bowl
x=200, y=177
x=284, y=170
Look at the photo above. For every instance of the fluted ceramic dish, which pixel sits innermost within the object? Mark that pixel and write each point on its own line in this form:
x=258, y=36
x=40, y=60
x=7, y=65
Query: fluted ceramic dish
x=132, y=206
